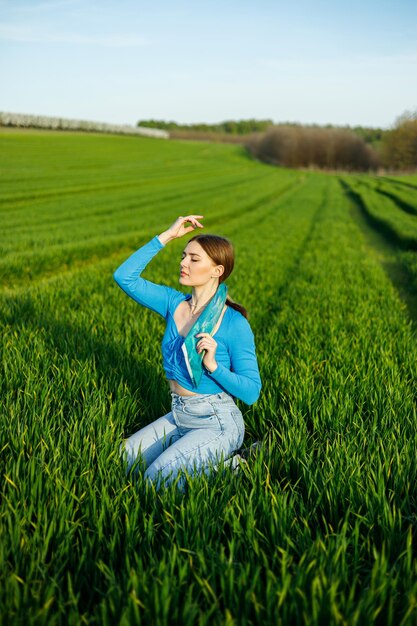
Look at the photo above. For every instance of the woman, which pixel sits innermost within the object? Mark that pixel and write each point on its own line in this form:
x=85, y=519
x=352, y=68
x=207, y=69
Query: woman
x=208, y=354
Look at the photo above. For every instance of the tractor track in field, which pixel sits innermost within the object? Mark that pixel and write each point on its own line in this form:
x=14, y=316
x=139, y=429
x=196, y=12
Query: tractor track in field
x=377, y=223
x=199, y=189
x=384, y=246
x=276, y=193
x=405, y=206
x=97, y=252
x=146, y=204
x=275, y=306
x=393, y=181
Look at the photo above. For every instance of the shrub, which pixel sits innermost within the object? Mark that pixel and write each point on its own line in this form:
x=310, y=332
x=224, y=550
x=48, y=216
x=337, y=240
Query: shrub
x=325, y=148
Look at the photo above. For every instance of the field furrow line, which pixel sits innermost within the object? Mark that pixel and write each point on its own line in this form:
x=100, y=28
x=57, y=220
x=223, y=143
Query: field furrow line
x=383, y=214
x=409, y=183
x=14, y=201
x=14, y=215
x=403, y=199
x=30, y=267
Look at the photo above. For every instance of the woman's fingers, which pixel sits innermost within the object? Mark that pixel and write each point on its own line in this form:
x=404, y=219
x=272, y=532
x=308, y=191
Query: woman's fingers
x=191, y=219
x=206, y=343
x=194, y=220
x=179, y=228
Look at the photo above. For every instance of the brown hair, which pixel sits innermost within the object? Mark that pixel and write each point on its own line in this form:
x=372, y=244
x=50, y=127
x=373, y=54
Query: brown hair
x=221, y=252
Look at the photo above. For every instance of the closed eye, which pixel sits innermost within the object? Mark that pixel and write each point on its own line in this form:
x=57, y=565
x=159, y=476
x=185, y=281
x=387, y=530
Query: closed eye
x=193, y=259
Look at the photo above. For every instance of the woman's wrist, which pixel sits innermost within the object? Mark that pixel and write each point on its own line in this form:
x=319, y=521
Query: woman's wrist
x=211, y=367
x=165, y=237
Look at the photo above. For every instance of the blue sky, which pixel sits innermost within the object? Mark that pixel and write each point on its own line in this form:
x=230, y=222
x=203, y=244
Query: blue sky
x=120, y=61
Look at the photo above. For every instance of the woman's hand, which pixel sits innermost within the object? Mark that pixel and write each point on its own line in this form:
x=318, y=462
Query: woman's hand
x=179, y=228
x=209, y=345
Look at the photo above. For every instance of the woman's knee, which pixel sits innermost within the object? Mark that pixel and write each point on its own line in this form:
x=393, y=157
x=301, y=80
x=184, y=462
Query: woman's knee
x=149, y=442
x=164, y=476
x=131, y=458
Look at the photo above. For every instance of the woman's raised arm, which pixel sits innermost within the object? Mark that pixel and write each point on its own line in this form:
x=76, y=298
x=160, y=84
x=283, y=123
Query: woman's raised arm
x=128, y=276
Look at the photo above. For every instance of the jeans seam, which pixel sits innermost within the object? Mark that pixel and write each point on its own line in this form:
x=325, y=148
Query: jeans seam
x=161, y=469
x=239, y=427
x=216, y=413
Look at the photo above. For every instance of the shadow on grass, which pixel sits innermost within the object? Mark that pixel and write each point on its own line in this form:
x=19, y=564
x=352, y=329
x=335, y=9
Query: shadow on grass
x=110, y=360
x=397, y=181
x=387, y=248
x=404, y=206
x=274, y=305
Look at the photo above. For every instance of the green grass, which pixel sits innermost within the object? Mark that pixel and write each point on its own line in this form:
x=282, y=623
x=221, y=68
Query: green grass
x=385, y=210
x=320, y=528
x=402, y=194
x=391, y=208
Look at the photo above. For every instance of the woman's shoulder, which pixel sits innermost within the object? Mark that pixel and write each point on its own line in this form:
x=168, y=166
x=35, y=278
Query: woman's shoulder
x=237, y=321
x=175, y=298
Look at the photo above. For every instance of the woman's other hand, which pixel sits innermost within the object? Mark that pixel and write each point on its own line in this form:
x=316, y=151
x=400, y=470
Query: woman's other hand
x=179, y=228
x=209, y=346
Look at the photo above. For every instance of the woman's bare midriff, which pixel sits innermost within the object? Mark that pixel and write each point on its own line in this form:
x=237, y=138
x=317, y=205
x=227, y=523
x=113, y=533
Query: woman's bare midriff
x=181, y=391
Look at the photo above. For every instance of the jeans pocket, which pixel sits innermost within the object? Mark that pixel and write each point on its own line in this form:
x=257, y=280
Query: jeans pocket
x=198, y=409
x=196, y=415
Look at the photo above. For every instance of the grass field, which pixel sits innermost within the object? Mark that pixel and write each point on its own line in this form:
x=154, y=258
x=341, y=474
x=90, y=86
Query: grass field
x=320, y=528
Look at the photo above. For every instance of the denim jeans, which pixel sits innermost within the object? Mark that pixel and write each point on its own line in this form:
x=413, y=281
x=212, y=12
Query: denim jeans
x=199, y=430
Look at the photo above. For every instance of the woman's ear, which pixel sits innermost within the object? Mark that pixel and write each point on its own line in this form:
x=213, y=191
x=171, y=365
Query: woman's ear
x=218, y=271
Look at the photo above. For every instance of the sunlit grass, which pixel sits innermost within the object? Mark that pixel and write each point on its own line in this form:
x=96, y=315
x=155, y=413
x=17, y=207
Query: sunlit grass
x=318, y=528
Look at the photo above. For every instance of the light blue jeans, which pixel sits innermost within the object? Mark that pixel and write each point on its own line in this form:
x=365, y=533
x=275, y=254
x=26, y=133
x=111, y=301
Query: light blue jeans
x=200, y=430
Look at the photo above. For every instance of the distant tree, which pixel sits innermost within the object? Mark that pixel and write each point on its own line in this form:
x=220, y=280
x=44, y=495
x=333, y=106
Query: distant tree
x=399, y=147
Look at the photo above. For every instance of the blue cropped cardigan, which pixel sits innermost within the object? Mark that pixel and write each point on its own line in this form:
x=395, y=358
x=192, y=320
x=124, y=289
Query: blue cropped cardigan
x=237, y=370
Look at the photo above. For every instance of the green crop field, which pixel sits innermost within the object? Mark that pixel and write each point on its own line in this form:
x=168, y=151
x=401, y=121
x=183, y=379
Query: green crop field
x=320, y=527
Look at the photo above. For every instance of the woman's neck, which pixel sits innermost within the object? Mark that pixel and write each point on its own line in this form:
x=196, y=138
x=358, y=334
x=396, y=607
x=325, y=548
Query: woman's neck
x=202, y=294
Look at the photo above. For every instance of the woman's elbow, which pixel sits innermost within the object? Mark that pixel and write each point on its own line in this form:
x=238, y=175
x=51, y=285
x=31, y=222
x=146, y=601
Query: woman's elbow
x=253, y=394
x=118, y=276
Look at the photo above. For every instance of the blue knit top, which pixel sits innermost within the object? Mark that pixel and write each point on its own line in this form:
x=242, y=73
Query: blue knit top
x=237, y=370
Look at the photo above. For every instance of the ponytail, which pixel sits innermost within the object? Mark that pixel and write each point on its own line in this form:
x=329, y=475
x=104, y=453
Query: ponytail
x=237, y=307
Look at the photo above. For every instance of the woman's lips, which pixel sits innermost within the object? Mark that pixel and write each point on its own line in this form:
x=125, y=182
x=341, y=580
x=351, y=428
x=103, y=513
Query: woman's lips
x=183, y=274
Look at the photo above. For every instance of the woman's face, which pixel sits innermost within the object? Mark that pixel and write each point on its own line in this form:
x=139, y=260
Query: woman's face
x=196, y=267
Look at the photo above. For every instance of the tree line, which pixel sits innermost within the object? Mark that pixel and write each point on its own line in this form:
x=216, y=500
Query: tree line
x=245, y=127
x=230, y=127
x=27, y=120
x=357, y=148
